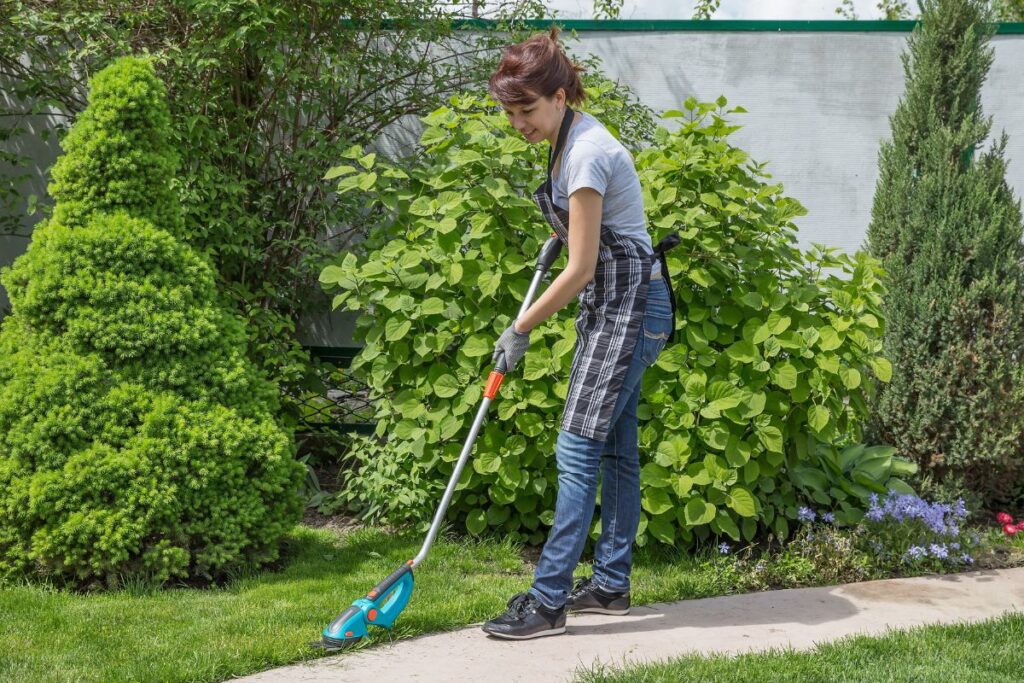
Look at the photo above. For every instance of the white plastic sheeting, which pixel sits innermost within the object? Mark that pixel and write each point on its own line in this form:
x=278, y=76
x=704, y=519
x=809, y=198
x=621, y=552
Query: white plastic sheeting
x=818, y=106
x=818, y=109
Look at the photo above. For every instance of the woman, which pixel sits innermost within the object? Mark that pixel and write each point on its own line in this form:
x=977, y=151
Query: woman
x=592, y=201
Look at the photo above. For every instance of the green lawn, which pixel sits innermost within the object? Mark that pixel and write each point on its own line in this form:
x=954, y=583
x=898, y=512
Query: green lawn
x=269, y=619
x=988, y=652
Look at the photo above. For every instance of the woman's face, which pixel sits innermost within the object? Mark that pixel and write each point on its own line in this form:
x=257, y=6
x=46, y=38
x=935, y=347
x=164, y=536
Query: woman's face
x=540, y=119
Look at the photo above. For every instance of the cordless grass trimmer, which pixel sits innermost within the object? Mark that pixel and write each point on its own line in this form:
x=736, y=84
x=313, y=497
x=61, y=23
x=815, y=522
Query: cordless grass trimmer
x=382, y=605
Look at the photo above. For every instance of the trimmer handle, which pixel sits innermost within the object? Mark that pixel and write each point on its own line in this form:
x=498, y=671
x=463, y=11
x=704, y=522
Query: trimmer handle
x=552, y=248
x=500, y=366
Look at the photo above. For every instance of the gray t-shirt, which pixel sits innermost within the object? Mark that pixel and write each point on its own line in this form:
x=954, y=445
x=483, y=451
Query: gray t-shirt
x=594, y=158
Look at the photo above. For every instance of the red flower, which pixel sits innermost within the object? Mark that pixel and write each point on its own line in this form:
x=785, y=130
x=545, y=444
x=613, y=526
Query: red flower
x=1009, y=529
x=1004, y=518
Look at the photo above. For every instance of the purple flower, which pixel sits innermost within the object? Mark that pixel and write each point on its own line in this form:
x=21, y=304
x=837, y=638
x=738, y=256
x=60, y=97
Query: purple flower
x=966, y=559
x=939, y=551
x=901, y=507
x=805, y=514
x=723, y=548
x=916, y=552
x=954, y=546
x=829, y=517
x=876, y=546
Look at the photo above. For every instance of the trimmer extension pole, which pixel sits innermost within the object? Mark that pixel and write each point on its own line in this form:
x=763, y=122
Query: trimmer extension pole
x=382, y=605
x=552, y=248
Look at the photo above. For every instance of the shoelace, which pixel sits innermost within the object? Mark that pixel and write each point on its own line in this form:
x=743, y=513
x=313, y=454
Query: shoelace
x=520, y=604
x=581, y=586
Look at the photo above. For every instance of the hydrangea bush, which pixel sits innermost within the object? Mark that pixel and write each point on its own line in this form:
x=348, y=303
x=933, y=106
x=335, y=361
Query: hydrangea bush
x=774, y=358
x=136, y=439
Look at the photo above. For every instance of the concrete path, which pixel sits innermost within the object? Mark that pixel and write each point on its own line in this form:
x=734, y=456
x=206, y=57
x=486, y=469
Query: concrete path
x=797, y=617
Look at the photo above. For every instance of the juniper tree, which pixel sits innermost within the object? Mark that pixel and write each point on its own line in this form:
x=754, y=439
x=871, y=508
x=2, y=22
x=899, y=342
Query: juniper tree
x=136, y=438
x=948, y=231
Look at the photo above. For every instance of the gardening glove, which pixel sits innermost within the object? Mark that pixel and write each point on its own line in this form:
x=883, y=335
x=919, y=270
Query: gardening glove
x=513, y=344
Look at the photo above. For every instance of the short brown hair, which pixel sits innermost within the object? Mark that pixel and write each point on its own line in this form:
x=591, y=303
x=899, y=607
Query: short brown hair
x=534, y=68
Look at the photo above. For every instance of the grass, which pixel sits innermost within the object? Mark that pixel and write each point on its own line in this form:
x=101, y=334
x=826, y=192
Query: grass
x=989, y=651
x=268, y=619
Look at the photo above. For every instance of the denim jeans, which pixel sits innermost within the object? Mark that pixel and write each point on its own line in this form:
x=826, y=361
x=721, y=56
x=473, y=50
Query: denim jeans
x=579, y=459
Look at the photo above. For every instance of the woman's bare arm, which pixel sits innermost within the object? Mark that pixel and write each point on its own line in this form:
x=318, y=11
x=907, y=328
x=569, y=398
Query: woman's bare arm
x=585, y=206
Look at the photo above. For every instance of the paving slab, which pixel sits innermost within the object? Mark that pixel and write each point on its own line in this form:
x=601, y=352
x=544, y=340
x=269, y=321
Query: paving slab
x=798, y=617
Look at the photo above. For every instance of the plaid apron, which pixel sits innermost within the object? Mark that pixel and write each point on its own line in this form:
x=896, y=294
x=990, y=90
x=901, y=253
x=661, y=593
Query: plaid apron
x=610, y=315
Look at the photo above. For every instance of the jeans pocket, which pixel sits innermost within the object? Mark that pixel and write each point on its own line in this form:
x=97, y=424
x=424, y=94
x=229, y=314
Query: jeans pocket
x=655, y=334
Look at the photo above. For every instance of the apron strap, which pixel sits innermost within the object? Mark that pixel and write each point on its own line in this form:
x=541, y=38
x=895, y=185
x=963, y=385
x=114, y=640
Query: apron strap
x=563, y=134
x=668, y=242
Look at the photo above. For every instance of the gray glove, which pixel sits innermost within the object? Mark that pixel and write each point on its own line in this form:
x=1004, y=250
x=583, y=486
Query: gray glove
x=513, y=344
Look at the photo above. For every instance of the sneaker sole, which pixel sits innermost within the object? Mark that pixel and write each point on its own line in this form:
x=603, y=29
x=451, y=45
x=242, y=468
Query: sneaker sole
x=538, y=634
x=600, y=610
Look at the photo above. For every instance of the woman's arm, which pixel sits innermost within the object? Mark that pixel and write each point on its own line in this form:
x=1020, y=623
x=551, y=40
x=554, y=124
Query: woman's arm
x=585, y=206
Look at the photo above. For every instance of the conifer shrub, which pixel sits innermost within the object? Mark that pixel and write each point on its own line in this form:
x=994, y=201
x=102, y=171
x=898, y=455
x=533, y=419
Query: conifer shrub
x=948, y=231
x=136, y=438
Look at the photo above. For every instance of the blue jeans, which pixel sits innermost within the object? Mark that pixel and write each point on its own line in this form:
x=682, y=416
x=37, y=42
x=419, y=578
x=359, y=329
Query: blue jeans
x=579, y=458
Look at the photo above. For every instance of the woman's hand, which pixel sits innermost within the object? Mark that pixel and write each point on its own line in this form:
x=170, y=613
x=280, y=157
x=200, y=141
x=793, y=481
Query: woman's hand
x=513, y=344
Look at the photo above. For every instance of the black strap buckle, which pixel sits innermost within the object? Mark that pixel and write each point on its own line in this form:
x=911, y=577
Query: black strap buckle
x=667, y=242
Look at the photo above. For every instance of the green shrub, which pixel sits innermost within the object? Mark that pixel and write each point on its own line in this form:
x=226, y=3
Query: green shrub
x=771, y=350
x=948, y=231
x=136, y=439
x=256, y=118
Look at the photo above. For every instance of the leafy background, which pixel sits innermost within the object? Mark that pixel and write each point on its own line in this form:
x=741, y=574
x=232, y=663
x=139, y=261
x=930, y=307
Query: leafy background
x=756, y=409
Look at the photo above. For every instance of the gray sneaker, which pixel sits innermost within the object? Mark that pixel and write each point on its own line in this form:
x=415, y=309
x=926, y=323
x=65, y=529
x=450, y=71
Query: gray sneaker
x=587, y=597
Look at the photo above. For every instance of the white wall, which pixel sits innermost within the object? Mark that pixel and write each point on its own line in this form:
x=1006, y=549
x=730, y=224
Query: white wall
x=818, y=103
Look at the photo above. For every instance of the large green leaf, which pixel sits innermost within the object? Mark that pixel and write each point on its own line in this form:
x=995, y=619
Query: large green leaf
x=655, y=501
x=727, y=524
x=446, y=386
x=662, y=528
x=784, y=375
x=723, y=395
x=741, y=500
x=396, y=328
x=487, y=462
x=654, y=475
x=743, y=351
x=478, y=345
x=698, y=511
x=771, y=438
x=882, y=368
x=476, y=521
x=810, y=478
x=817, y=417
